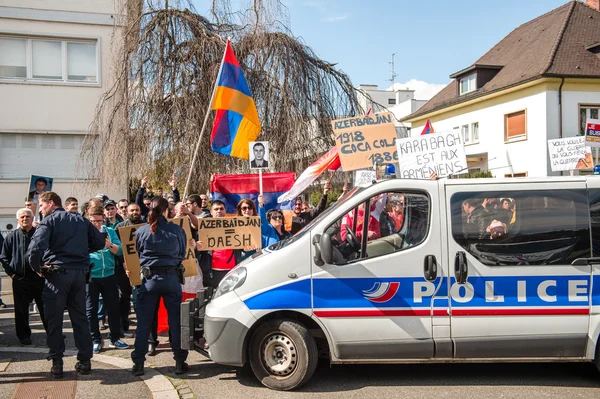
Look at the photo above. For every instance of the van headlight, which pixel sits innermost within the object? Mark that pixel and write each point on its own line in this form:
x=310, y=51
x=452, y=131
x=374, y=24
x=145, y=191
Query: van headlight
x=233, y=280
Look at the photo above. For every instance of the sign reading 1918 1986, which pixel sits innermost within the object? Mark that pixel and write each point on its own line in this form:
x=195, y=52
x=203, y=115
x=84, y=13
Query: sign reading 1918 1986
x=364, y=141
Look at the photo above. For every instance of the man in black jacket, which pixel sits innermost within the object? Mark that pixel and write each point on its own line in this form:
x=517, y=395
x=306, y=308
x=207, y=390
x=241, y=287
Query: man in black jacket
x=60, y=248
x=2, y=304
x=301, y=219
x=27, y=285
x=145, y=192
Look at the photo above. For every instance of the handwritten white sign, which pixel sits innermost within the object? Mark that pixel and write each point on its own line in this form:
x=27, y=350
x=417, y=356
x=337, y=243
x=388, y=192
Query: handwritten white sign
x=364, y=178
x=441, y=152
x=569, y=153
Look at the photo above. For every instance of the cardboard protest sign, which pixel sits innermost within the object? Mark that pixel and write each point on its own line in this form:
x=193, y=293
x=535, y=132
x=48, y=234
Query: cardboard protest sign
x=132, y=259
x=442, y=153
x=364, y=178
x=592, y=132
x=259, y=154
x=230, y=232
x=363, y=141
x=569, y=153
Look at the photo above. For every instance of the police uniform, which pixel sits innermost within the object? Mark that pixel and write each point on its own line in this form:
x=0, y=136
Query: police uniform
x=63, y=240
x=162, y=252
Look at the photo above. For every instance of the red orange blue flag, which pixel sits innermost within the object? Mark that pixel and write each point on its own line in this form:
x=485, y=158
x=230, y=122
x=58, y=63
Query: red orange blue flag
x=428, y=129
x=236, y=121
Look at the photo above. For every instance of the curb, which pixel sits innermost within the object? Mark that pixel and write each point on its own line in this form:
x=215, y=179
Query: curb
x=159, y=385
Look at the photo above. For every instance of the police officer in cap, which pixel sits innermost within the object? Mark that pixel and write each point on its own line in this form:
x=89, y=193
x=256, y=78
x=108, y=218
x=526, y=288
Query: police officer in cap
x=161, y=246
x=59, y=250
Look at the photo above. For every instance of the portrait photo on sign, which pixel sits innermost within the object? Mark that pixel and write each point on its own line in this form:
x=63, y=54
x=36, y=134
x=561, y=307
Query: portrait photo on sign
x=37, y=186
x=259, y=154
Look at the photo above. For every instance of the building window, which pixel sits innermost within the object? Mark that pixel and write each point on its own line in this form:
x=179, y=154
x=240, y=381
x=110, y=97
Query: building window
x=13, y=58
x=465, y=134
x=468, y=84
x=587, y=111
x=48, y=59
x=391, y=101
x=519, y=174
x=515, y=126
x=475, y=132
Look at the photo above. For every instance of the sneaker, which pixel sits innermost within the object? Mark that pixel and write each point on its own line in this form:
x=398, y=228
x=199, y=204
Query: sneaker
x=2, y=304
x=118, y=345
x=97, y=347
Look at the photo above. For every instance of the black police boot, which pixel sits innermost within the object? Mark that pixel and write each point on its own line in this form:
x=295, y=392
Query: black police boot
x=138, y=369
x=181, y=367
x=57, y=368
x=83, y=367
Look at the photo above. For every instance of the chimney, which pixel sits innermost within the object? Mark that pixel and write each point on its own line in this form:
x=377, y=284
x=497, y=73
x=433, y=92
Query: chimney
x=595, y=4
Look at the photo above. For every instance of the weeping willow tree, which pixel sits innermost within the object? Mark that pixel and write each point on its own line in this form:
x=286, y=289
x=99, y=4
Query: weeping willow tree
x=149, y=121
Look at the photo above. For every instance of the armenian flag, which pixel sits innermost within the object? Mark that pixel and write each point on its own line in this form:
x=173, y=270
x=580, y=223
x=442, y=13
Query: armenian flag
x=428, y=128
x=236, y=121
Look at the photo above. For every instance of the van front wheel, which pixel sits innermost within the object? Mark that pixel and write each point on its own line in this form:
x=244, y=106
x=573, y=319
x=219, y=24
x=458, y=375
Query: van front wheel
x=282, y=354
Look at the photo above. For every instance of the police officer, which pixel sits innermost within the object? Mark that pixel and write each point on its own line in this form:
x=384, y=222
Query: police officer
x=161, y=246
x=60, y=250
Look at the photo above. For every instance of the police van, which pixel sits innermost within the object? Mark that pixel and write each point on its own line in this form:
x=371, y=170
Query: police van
x=460, y=270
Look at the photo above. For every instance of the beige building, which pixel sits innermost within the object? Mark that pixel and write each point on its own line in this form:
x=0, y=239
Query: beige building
x=55, y=63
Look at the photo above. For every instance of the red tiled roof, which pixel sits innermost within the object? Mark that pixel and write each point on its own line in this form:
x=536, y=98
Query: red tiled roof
x=553, y=44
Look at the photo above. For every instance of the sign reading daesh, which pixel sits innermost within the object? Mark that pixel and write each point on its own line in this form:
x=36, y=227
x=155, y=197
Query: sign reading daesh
x=229, y=233
x=363, y=141
x=442, y=153
x=132, y=259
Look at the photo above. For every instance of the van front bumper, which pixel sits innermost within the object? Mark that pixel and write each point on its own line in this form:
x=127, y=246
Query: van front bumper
x=225, y=338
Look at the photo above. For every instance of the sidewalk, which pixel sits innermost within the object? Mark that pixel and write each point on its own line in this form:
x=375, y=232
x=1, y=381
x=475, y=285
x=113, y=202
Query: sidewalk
x=25, y=372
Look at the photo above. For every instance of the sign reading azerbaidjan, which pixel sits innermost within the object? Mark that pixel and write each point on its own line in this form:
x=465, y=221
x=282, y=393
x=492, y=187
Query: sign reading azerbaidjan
x=364, y=141
x=132, y=259
x=230, y=232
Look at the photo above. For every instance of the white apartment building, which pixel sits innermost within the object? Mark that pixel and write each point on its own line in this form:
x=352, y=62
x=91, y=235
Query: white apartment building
x=55, y=63
x=540, y=82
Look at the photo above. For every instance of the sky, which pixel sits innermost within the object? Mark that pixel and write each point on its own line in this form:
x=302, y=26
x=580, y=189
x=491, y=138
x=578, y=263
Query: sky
x=431, y=39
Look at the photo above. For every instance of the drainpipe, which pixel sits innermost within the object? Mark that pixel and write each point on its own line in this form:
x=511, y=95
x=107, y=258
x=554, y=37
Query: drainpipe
x=560, y=112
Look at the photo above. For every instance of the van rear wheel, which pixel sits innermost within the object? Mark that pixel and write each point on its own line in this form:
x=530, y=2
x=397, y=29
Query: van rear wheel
x=283, y=355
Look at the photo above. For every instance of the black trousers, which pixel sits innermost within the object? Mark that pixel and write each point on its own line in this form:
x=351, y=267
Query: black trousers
x=62, y=289
x=125, y=296
x=217, y=276
x=25, y=290
x=109, y=289
x=165, y=285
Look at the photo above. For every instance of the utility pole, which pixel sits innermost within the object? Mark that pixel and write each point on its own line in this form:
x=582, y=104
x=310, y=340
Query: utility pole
x=393, y=70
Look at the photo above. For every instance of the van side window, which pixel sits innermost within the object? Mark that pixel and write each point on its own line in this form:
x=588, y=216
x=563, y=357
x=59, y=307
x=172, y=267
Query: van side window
x=595, y=220
x=397, y=221
x=507, y=228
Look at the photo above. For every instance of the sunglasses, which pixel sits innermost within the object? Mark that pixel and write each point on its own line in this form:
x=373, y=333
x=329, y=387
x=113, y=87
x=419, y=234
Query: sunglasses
x=400, y=203
x=245, y=208
x=278, y=217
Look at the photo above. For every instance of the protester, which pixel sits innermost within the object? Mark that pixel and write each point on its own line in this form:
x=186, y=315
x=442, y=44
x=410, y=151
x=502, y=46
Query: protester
x=27, y=285
x=2, y=304
x=161, y=246
x=271, y=224
x=60, y=248
x=112, y=218
x=122, y=208
x=71, y=205
x=301, y=219
x=245, y=207
x=198, y=205
x=142, y=197
x=134, y=216
x=36, y=216
x=104, y=281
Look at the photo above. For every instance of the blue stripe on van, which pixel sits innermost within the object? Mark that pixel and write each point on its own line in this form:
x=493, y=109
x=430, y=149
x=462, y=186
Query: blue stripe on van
x=294, y=295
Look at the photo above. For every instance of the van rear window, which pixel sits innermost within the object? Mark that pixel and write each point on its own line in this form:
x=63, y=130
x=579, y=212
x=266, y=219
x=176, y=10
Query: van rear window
x=508, y=228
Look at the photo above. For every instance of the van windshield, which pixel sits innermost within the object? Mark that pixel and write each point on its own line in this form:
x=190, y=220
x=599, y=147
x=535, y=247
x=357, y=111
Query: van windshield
x=332, y=206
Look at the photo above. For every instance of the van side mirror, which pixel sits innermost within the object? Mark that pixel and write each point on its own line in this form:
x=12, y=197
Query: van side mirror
x=323, y=249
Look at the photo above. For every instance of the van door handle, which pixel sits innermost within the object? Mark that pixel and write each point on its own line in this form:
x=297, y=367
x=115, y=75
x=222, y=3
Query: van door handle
x=461, y=269
x=430, y=268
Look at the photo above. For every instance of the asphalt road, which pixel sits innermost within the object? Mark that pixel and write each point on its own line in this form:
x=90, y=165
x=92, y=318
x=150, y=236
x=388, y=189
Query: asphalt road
x=462, y=381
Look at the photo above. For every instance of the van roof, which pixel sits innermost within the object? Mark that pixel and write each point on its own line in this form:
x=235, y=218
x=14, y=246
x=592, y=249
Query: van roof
x=514, y=180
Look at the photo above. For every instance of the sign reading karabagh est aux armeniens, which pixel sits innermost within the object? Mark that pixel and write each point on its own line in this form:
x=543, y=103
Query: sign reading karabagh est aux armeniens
x=230, y=232
x=363, y=141
x=442, y=153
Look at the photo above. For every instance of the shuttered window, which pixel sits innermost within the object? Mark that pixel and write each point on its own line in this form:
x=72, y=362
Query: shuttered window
x=515, y=126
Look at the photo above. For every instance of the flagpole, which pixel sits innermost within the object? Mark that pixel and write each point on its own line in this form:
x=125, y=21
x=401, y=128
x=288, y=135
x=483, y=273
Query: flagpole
x=260, y=181
x=208, y=110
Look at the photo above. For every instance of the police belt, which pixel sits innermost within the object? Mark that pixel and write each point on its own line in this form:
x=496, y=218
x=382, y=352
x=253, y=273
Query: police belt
x=161, y=269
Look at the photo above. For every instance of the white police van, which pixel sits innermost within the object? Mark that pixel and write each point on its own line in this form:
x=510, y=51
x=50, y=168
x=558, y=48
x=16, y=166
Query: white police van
x=463, y=271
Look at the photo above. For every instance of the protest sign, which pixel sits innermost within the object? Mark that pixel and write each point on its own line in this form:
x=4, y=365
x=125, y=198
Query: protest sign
x=230, y=232
x=37, y=186
x=364, y=178
x=132, y=259
x=363, y=141
x=592, y=132
x=442, y=153
x=569, y=153
x=259, y=154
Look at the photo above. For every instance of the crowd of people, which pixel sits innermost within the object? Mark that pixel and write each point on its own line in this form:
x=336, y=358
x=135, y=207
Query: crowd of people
x=487, y=218
x=71, y=258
